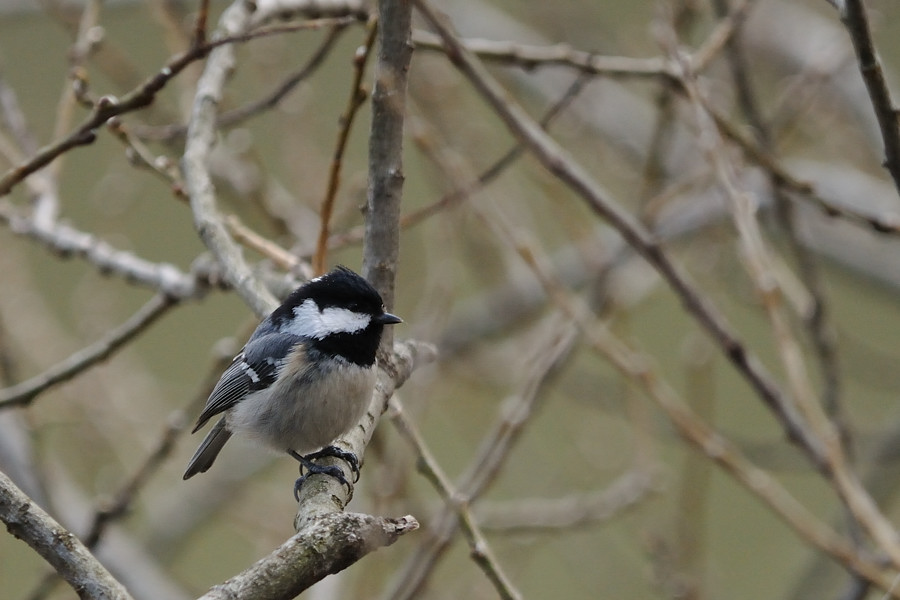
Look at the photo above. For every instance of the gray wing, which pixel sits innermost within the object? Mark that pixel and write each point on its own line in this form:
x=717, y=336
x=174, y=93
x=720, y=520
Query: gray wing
x=255, y=368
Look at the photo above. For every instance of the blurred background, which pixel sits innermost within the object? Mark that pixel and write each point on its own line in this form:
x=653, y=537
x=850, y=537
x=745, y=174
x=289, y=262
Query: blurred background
x=598, y=496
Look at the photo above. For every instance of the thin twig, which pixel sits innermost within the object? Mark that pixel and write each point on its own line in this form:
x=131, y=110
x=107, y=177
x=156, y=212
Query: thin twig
x=853, y=15
x=575, y=511
x=142, y=96
x=463, y=191
x=354, y=103
x=278, y=255
x=513, y=416
x=24, y=393
x=531, y=56
x=236, y=116
x=432, y=471
x=561, y=164
x=846, y=483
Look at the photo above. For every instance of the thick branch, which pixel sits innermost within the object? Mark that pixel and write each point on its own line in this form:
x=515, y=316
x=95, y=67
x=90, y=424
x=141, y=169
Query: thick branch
x=322, y=546
x=28, y=522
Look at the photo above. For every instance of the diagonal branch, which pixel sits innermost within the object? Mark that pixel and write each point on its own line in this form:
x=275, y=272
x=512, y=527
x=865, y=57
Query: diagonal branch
x=23, y=393
x=558, y=162
x=28, y=522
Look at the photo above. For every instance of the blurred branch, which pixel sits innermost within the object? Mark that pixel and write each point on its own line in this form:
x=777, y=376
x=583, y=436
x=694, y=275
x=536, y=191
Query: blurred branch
x=529, y=56
x=278, y=255
x=755, y=252
x=427, y=464
x=853, y=15
x=561, y=164
x=67, y=241
x=575, y=511
x=25, y=392
x=121, y=502
x=61, y=549
x=235, y=116
x=639, y=368
x=201, y=137
x=513, y=415
x=462, y=192
x=107, y=107
x=358, y=96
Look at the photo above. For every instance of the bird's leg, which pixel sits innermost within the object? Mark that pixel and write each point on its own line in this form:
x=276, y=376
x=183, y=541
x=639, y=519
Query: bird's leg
x=314, y=469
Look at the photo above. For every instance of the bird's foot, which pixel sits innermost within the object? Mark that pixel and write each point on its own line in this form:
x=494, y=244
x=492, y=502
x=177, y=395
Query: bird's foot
x=314, y=469
x=336, y=452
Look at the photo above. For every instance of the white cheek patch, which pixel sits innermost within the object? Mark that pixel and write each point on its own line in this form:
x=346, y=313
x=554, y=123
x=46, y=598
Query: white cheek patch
x=310, y=322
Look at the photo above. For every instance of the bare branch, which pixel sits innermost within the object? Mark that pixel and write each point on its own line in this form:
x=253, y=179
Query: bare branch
x=67, y=241
x=28, y=522
x=381, y=246
x=853, y=15
x=556, y=160
x=322, y=546
x=24, y=393
x=354, y=103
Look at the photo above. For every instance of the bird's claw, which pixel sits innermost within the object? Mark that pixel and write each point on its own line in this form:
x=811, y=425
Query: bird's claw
x=336, y=452
x=334, y=471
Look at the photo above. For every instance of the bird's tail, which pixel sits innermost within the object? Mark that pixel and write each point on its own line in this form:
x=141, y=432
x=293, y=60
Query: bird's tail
x=208, y=451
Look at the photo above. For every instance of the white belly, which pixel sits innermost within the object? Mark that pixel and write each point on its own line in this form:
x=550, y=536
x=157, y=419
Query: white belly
x=314, y=410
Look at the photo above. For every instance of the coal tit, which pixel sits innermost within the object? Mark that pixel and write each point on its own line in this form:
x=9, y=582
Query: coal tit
x=304, y=377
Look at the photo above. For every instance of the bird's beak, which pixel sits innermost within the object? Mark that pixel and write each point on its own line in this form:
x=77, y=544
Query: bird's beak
x=388, y=319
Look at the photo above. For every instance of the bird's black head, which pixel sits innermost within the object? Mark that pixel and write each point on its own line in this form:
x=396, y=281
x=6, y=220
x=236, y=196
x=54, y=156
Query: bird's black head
x=340, y=313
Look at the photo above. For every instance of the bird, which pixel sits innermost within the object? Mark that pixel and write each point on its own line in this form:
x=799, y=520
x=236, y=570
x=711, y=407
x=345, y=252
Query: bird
x=304, y=377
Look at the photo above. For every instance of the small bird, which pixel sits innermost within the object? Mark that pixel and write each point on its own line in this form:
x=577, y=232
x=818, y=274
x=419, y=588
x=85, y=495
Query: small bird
x=304, y=377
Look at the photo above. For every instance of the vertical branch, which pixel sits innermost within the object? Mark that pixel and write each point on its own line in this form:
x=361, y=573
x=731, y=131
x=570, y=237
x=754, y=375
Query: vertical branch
x=381, y=245
x=853, y=15
x=201, y=137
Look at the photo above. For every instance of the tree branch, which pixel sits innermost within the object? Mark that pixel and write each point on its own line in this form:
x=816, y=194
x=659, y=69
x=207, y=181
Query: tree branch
x=381, y=246
x=28, y=522
x=853, y=15
x=322, y=546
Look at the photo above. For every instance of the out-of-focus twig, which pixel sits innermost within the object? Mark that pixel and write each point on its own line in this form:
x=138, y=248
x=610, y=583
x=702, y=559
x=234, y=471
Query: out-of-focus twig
x=25, y=392
x=513, y=416
x=549, y=515
x=853, y=15
x=561, y=164
x=67, y=241
x=432, y=470
x=756, y=253
x=235, y=116
x=109, y=106
x=354, y=103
